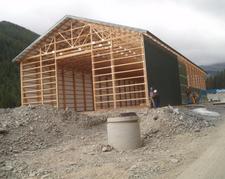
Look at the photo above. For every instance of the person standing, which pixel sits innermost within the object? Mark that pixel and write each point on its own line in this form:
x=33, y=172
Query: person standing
x=195, y=97
x=189, y=95
x=156, y=98
x=151, y=94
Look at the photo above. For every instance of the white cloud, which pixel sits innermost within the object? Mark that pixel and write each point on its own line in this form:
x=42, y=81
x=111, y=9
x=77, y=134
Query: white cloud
x=196, y=33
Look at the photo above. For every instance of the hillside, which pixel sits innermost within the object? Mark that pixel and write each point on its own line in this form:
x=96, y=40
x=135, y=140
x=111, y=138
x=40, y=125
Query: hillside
x=13, y=39
x=214, y=68
x=216, y=75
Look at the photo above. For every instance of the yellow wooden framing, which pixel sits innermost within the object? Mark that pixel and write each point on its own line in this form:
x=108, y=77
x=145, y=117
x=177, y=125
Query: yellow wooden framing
x=112, y=56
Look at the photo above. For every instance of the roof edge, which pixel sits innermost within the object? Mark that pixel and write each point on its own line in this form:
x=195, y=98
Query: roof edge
x=20, y=55
x=143, y=31
x=26, y=50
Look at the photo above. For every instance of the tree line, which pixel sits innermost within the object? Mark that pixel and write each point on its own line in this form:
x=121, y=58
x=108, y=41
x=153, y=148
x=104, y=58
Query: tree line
x=13, y=39
x=216, y=81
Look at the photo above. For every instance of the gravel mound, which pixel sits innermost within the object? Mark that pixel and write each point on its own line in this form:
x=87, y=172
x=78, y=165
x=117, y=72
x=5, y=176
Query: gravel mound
x=79, y=140
x=38, y=127
x=168, y=121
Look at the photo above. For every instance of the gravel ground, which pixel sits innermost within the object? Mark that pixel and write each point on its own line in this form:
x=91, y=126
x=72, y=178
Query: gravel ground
x=43, y=142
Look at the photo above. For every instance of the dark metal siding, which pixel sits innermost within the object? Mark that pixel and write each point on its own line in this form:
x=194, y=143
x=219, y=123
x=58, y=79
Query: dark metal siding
x=162, y=73
x=183, y=82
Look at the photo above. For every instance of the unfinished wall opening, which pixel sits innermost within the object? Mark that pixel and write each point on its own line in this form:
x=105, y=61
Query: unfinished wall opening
x=75, y=90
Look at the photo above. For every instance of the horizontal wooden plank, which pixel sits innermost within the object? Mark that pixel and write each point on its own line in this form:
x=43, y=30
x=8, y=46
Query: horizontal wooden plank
x=32, y=97
x=101, y=102
x=46, y=101
x=49, y=71
x=104, y=95
x=128, y=71
x=46, y=95
x=130, y=92
x=31, y=80
x=32, y=91
x=31, y=63
x=49, y=83
x=29, y=69
x=128, y=78
x=135, y=84
x=96, y=89
x=31, y=86
x=31, y=74
x=134, y=99
x=32, y=102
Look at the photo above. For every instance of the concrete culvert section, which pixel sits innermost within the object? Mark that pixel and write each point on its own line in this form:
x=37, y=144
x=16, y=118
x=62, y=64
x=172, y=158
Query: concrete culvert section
x=124, y=131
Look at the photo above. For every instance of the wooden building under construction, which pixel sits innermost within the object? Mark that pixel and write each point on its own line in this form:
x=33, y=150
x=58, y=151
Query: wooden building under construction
x=86, y=65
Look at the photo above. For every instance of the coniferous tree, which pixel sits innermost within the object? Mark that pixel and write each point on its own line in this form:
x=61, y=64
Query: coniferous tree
x=216, y=81
x=13, y=39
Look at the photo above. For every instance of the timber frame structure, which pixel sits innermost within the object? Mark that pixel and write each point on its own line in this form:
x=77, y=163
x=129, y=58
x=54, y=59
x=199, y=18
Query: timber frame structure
x=87, y=65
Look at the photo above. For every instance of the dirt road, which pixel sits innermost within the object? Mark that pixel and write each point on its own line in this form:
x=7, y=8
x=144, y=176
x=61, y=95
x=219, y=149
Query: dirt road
x=210, y=165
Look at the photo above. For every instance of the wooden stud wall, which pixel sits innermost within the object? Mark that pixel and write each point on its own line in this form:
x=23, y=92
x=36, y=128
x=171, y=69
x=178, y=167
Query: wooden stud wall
x=118, y=71
x=195, y=77
x=86, y=66
x=38, y=81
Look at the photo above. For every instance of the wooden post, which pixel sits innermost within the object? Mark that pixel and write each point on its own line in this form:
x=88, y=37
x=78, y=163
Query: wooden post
x=38, y=87
x=92, y=64
x=21, y=82
x=125, y=90
x=71, y=32
x=74, y=91
x=125, y=94
x=56, y=75
x=107, y=91
x=41, y=79
x=129, y=91
x=63, y=89
x=135, y=94
x=113, y=72
x=92, y=93
x=100, y=92
x=84, y=91
x=120, y=94
x=145, y=71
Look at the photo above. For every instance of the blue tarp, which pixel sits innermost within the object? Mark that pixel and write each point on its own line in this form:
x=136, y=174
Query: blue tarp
x=214, y=91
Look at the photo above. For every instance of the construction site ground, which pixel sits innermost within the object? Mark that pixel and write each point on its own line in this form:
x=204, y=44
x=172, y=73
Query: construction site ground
x=40, y=142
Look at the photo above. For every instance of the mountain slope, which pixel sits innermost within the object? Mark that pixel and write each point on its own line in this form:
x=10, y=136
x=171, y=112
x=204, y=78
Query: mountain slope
x=13, y=39
x=214, y=68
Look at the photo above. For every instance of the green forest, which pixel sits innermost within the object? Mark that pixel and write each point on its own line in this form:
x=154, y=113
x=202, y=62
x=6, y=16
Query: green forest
x=216, y=81
x=13, y=39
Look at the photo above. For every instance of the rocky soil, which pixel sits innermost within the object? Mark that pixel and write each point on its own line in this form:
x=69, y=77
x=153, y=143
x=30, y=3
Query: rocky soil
x=43, y=142
x=38, y=127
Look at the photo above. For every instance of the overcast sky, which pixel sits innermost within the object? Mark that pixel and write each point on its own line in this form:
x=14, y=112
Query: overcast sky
x=196, y=28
